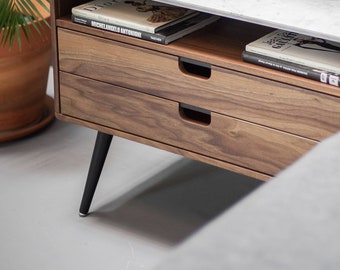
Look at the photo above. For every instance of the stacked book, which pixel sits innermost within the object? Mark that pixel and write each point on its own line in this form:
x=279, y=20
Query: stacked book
x=148, y=20
x=314, y=58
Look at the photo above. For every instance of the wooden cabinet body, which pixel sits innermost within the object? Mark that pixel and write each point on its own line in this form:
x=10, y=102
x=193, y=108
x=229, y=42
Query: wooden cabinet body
x=195, y=96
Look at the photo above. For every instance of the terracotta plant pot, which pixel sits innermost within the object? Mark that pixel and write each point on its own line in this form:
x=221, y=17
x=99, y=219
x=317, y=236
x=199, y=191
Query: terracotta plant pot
x=24, y=106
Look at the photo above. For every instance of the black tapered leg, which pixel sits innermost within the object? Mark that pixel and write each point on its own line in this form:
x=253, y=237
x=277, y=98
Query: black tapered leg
x=101, y=148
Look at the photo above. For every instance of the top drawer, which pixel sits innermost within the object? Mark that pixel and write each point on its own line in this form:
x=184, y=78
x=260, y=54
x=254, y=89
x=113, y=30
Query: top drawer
x=280, y=106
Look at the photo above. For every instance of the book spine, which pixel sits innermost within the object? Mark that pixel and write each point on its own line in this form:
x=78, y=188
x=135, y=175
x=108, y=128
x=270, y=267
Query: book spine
x=292, y=68
x=158, y=38
x=111, y=20
x=292, y=59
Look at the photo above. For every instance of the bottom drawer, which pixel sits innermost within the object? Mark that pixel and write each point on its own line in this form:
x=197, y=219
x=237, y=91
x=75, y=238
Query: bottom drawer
x=196, y=130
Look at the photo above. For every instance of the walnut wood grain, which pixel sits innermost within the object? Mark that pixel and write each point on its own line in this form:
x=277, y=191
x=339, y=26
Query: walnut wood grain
x=173, y=149
x=280, y=106
x=220, y=44
x=133, y=89
x=241, y=143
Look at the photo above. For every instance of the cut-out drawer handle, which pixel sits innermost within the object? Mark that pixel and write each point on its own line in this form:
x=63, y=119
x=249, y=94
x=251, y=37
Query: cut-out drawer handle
x=195, y=114
x=195, y=68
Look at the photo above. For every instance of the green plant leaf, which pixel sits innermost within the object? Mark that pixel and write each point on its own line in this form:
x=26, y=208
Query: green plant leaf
x=16, y=15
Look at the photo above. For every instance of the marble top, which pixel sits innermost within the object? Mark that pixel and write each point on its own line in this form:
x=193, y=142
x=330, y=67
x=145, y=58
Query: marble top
x=319, y=18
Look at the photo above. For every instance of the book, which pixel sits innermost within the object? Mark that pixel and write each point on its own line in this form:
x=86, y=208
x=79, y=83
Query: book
x=299, y=49
x=147, y=15
x=292, y=68
x=164, y=36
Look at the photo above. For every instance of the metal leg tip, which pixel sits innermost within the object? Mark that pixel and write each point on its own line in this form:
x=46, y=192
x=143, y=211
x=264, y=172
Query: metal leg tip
x=82, y=214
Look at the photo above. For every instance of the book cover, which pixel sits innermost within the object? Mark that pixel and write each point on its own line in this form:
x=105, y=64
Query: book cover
x=164, y=36
x=300, y=49
x=292, y=68
x=147, y=15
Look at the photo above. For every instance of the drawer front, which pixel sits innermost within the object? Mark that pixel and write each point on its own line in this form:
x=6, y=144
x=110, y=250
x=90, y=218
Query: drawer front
x=281, y=106
x=186, y=127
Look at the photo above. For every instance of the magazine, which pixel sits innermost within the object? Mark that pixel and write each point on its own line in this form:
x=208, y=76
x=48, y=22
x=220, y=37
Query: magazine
x=292, y=68
x=164, y=36
x=300, y=49
x=147, y=15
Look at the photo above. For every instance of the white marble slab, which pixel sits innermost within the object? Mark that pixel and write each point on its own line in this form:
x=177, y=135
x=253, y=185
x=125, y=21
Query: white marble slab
x=320, y=18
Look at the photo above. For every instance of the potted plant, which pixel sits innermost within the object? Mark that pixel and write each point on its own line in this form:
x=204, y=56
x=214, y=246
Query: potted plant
x=25, y=55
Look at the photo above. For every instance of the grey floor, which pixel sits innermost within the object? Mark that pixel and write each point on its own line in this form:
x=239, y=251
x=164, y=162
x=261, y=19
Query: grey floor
x=147, y=202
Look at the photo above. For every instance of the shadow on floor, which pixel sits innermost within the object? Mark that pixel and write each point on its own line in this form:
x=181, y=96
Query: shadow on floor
x=176, y=202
